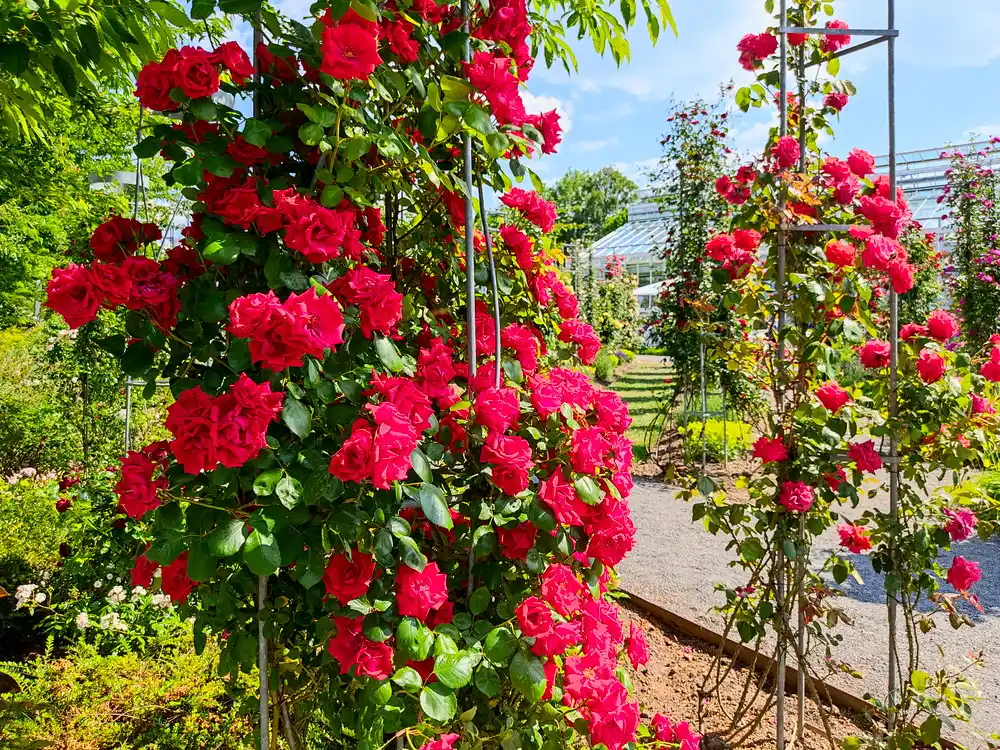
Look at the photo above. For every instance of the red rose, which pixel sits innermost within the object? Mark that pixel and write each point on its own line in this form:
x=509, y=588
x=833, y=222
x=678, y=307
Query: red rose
x=137, y=490
x=832, y=396
x=865, y=457
x=534, y=617
x=72, y=294
x=395, y=439
x=930, y=366
x=854, y=538
x=348, y=578
x=836, y=100
x=786, y=152
x=195, y=73
x=155, y=82
x=561, y=588
x=515, y=543
x=796, y=497
x=510, y=458
x=349, y=51
x=588, y=450
x=419, y=592
x=353, y=462
x=142, y=571
x=612, y=535
x=840, y=253
x=875, y=354
x=374, y=659
x=860, y=162
x=174, y=580
x=770, y=450
x=232, y=57
x=942, y=325
x=963, y=573
x=497, y=409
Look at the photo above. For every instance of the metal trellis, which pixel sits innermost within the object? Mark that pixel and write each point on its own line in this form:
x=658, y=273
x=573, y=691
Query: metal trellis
x=888, y=36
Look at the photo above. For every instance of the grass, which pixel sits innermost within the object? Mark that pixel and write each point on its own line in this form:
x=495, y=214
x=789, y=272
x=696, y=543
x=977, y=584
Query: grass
x=639, y=385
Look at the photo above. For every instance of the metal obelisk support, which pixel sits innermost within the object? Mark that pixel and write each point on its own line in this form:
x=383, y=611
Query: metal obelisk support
x=264, y=708
x=470, y=223
x=891, y=597
x=779, y=368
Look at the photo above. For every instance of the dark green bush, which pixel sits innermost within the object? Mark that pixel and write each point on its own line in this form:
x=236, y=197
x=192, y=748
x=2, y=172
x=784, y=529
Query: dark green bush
x=604, y=366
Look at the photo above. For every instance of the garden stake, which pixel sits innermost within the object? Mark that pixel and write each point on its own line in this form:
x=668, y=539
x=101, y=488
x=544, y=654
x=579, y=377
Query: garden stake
x=704, y=409
x=493, y=281
x=470, y=223
x=801, y=547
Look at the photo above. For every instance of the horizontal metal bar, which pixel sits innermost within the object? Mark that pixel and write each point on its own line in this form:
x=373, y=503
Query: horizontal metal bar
x=836, y=32
x=133, y=383
x=817, y=227
x=849, y=50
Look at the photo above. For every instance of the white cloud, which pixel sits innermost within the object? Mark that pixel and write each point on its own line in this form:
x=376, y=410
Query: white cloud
x=983, y=131
x=536, y=105
x=638, y=171
x=598, y=145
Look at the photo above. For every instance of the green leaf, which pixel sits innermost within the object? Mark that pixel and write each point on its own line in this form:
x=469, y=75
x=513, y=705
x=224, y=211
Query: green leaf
x=311, y=134
x=203, y=108
x=138, y=359
x=289, y=491
x=14, y=56
x=435, y=505
x=239, y=6
x=297, y=416
x=222, y=252
x=480, y=600
x=487, y=680
x=438, y=702
x=500, y=643
x=148, y=147
x=322, y=116
x=388, y=354
x=455, y=89
x=414, y=638
x=261, y=554
x=479, y=120
x=201, y=563
x=202, y=9
x=266, y=481
x=256, y=132
x=588, y=490
x=228, y=538
x=408, y=678
x=189, y=172
x=455, y=670
x=527, y=674
x=421, y=465
x=930, y=730
x=66, y=75
x=412, y=555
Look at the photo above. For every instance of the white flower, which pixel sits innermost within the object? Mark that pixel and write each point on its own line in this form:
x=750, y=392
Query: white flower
x=137, y=593
x=40, y=597
x=161, y=600
x=83, y=621
x=111, y=621
x=116, y=595
x=110, y=576
x=97, y=584
x=24, y=594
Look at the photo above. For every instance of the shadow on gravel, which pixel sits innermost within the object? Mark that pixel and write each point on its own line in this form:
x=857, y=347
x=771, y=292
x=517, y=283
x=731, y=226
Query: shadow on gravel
x=987, y=554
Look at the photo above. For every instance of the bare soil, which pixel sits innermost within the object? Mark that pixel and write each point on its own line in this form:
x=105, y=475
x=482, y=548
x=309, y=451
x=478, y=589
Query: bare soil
x=671, y=682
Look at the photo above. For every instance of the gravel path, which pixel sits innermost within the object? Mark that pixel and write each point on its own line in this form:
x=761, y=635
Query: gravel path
x=676, y=564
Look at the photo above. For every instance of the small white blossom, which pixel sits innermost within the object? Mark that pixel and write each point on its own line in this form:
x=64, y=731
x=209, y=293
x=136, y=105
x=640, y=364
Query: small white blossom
x=83, y=621
x=24, y=594
x=111, y=621
x=110, y=576
x=161, y=600
x=116, y=595
x=40, y=597
x=137, y=593
x=97, y=584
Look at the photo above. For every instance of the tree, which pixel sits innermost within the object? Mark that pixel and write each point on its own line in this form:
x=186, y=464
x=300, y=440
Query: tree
x=55, y=54
x=589, y=203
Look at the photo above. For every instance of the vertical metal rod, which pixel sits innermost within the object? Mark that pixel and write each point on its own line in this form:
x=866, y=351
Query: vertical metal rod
x=802, y=546
x=704, y=410
x=470, y=223
x=493, y=281
x=779, y=373
x=893, y=661
x=264, y=708
x=725, y=425
x=128, y=416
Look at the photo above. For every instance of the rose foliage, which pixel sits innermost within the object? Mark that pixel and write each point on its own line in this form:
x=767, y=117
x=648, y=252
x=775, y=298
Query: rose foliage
x=437, y=540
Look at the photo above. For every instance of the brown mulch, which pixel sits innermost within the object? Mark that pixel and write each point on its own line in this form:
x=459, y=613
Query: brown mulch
x=670, y=683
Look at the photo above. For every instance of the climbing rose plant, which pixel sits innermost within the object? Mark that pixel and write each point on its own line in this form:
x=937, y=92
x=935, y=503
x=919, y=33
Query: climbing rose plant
x=437, y=540
x=829, y=427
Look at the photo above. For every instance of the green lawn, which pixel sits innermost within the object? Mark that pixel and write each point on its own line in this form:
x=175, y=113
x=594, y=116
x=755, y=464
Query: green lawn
x=639, y=384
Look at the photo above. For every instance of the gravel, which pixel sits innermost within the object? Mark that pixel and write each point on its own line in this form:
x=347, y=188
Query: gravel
x=676, y=563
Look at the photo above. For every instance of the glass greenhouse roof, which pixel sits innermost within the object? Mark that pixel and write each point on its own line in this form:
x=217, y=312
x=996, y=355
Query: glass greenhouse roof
x=644, y=234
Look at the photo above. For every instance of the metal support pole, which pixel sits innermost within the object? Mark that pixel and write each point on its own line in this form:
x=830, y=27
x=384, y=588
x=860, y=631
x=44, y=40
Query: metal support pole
x=470, y=223
x=801, y=546
x=264, y=707
x=779, y=371
x=128, y=417
x=493, y=282
x=725, y=426
x=704, y=410
x=893, y=374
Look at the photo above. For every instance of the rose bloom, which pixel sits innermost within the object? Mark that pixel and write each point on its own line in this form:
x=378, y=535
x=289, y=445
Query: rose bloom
x=875, y=354
x=796, y=497
x=786, y=152
x=836, y=100
x=174, y=581
x=930, y=366
x=961, y=523
x=517, y=542
x=443, y=742
x=840, y=253
x=833, y=397
x=350, y=51
x=419, y=592
x=942, y=325
x=497, y=409
x=637, y=647
x=981, y=405
x=861, y=162
x=854, y=538
x=991, y=370
x=348, y=578
x=534, y=617
x=770, y=450
x=562, y=589
x=865, y=456
x=963, y=573
x=71, y=293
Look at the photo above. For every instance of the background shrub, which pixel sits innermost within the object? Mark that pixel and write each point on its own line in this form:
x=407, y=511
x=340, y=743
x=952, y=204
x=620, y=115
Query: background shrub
x=737, y=440
x=604, y=366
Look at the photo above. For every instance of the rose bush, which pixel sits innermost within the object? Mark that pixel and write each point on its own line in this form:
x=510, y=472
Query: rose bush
x=825, y=308
x=437, y=537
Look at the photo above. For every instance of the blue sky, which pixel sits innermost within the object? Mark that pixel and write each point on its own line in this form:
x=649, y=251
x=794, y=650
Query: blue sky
x=948, y=66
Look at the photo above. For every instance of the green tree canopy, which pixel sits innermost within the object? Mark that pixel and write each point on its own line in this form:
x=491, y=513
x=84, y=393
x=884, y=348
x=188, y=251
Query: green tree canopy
x=589, y=202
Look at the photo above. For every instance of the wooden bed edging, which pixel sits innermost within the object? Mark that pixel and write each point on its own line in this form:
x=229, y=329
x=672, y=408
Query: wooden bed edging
x=754, y=659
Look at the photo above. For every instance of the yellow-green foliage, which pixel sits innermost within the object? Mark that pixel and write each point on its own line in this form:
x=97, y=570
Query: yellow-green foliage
x=737, y=439
x=30, y=528
x=163, y=700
